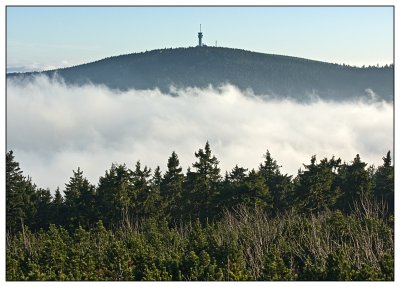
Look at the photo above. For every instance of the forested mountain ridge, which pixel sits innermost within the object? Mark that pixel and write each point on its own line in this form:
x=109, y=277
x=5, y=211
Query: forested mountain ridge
x=265, y=74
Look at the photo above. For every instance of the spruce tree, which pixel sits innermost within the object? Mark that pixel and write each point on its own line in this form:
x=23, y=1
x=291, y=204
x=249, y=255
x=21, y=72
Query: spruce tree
x=172, y=187
x=204, y=183
x=355, y=181
x=316, y=188
x=79, y=201
x=58, y=208
x=43, y=201
x=20, y=197
x=141, y=183
x=116, y=195
x=280, y=185
x=256, y=192
x=154, y=201
x=384, y=182
x=233, y=188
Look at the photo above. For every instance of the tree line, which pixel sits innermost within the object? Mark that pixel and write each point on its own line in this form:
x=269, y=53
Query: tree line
x=201, y=225
x=125, y=194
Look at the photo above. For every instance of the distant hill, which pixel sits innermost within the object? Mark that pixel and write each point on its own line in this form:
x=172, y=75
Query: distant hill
x=265, y=74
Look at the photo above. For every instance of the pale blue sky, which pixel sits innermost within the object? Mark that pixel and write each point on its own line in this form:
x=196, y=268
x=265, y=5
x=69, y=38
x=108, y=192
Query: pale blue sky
x=48, y=37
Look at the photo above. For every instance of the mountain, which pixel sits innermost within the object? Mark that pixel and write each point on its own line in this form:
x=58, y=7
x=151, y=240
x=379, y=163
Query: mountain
x=265, y=74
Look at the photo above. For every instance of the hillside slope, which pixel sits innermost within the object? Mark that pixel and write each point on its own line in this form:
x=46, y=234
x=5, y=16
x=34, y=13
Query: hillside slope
x=265, y=74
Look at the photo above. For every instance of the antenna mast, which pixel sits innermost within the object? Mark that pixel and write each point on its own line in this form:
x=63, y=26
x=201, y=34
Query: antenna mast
x=200, y=35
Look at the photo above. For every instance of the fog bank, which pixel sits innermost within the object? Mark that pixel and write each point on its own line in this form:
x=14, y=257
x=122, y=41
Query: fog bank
x=54, y=128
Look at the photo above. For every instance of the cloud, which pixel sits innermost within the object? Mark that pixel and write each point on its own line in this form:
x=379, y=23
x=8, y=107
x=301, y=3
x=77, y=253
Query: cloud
x=34, y=67
x=53, y=128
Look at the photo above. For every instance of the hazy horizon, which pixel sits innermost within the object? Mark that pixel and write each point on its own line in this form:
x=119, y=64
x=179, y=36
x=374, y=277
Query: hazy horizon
x=329, y=34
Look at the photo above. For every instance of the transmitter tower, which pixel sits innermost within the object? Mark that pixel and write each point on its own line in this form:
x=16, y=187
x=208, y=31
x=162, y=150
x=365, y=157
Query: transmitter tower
x=200, y=35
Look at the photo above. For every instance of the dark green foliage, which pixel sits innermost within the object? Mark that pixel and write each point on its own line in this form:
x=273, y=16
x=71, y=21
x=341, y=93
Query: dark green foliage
x=58, y=209
x=338, y=267
x=354, y=181
x=172, y=188
x=226, y=250
x=247, y=188
x=116, y=195
x=202, y=185
x=79, y=201
x=154, y=201
x=20, y=196
x=386, y=265
x=332, y=222
x=316, y=189
x=44, y=211
x=256, y=192
x=276, y=269
x=280, y=185
x=384, y=182
x=233, y=188
x=144, y=201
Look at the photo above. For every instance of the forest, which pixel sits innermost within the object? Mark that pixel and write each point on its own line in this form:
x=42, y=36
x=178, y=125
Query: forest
x=332, y=221
x=269, y=75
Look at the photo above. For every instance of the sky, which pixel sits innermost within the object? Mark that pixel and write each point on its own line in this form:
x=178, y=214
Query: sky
x=40, y=38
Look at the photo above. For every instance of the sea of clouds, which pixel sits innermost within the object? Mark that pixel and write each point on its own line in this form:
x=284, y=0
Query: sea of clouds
x=54, y=128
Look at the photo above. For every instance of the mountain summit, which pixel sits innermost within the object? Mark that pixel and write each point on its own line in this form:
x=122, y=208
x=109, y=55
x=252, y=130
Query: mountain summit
x=264, y=74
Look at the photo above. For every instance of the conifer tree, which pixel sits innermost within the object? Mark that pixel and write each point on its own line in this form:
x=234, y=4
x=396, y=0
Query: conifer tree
x=172, y=187
x=280, y=185
x=154, y=200
x=355, y=181
x=20, y=197
x=257, y=193
x=141, y=183
x=43, y=206
x=147, y=189
x=204, y=183
x=316, y=188
x=233, y=188
x=58, y=208
x=79, y=201
x=384, y=182
x=116, y=195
